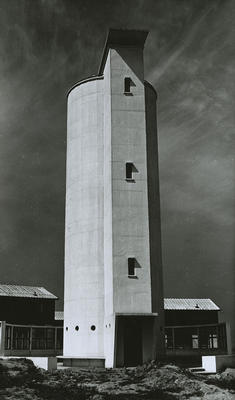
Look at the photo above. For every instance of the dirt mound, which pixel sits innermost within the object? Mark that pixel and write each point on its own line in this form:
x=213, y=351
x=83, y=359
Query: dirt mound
x=20, y=379
x=224, y=380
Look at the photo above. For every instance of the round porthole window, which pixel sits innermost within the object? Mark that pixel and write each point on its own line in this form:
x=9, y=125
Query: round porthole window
x=77, y=328
x=93, y=327
x=66, y=328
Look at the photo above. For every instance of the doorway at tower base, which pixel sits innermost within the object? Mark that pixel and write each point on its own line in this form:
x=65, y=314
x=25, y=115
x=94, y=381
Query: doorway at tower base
x=136, y=339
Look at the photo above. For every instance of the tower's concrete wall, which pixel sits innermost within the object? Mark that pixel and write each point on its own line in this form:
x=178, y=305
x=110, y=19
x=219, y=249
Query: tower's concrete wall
x=84, y=256
x=129, y=200
x=108, y=216
x=110, y=320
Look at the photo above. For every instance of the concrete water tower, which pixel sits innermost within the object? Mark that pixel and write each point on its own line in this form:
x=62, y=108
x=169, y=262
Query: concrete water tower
x=113, y=312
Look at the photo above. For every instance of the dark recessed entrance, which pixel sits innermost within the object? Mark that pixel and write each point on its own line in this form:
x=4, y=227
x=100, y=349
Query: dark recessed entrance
x=133, y=347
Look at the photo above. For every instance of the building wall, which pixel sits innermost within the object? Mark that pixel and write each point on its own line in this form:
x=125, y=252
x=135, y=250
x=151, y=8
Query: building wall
x=110, y=321
x=84, y=256
x=107, y=218
x=108, y=222
x=19, y=310
x=186, y=317
x=129, y=200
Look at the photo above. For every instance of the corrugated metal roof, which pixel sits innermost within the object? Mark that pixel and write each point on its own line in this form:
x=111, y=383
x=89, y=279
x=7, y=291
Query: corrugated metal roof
x=190, y=304
x=173, y=304
x=59, y=315
x=25, y=291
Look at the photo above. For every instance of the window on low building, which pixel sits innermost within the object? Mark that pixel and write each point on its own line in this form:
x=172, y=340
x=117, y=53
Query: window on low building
x=8, y=337
x=195, y=342
x=213, y=341
x=166, y=340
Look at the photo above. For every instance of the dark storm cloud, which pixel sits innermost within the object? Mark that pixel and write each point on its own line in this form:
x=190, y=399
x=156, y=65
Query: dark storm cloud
x=48, y=45
x=196, y=140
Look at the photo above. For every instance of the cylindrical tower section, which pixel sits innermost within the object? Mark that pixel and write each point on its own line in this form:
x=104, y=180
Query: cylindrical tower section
x=84, y=259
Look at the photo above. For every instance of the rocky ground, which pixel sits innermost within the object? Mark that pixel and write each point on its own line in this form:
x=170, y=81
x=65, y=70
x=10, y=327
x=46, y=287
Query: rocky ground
x=20, y=380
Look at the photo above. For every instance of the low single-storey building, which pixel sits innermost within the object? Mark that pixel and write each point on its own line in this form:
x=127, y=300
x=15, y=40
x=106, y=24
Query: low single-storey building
x=27, y=322
x=192, y=329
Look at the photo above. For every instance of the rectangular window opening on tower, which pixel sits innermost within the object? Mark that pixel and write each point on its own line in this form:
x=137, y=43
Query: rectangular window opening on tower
x=131, y=267
x=127, y=86
x=130, y=169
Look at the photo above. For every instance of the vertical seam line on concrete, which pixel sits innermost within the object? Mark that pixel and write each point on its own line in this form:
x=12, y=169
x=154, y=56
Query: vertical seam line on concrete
x=110, y=77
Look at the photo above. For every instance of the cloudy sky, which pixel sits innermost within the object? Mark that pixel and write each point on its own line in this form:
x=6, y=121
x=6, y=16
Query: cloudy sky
x=48, y=45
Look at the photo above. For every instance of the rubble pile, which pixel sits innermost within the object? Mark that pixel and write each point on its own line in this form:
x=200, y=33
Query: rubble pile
x=20, y=379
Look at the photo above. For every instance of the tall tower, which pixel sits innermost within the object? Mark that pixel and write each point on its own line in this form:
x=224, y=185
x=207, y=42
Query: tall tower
x=113, y=311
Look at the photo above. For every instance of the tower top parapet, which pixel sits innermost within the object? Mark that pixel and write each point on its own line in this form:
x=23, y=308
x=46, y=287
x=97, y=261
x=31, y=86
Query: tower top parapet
x=122, y=38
